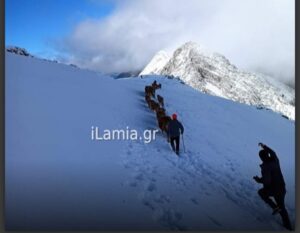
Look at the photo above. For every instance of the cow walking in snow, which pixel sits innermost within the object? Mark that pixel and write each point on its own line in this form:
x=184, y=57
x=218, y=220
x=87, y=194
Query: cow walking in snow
x=154, y=105
x=163, y=123
x=155, y=85
x=148, y=99
x=149, y=90
x=160, y=112
x=160, y=100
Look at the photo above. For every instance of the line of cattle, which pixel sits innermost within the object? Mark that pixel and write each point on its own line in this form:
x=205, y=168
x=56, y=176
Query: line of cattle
x=158, y=107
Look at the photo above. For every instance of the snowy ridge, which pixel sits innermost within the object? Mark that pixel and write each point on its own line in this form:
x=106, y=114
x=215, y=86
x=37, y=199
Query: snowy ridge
x=70, y=182
x=156, y=64
x=23, y=52
x=212, y=73
x=18, y=50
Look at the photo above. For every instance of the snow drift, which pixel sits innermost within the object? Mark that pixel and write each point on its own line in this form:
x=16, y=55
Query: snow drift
x=56, y=177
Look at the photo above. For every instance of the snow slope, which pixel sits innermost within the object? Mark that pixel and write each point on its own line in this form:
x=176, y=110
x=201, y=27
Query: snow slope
x=212, y=73
x=56, y=177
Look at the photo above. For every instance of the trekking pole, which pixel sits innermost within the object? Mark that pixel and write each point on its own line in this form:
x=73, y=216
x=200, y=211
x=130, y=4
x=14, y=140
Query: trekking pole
x=183, y=143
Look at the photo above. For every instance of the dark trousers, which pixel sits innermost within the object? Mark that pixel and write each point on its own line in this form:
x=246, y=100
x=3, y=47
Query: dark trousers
x=279, y=199
x=176, y=141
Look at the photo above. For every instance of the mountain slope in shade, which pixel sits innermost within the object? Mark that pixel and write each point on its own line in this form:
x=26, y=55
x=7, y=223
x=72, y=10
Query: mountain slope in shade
x=157, y=63
x=212, y=73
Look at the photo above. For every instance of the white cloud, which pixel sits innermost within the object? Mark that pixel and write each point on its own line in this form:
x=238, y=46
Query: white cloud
x=256, y=35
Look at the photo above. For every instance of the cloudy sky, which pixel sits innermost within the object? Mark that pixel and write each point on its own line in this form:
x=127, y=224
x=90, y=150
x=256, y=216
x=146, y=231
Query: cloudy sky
x=115, y=36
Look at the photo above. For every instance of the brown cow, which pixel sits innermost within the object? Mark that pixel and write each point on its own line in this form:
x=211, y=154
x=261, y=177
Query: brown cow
x=160, y=112
x=160, y=100
x=148, y=98
x=151, y=104
x=149, y=90
x=155, y=85
x=163, y=123
x=154, y=105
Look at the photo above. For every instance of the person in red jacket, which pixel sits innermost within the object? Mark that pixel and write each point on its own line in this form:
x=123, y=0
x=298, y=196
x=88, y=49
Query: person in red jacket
x=273, y=183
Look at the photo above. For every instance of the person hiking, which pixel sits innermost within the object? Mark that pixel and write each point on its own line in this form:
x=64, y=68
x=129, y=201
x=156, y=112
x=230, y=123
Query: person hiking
x=175, y=128
x=273, y=184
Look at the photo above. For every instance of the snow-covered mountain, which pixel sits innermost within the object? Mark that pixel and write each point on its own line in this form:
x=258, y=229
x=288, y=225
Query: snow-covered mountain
x=57, y=178
x=157, y=63
x=212, y=73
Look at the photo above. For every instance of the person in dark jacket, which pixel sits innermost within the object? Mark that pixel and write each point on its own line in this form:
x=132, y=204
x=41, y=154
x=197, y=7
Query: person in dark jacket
x=273, y=183
x=175, y=128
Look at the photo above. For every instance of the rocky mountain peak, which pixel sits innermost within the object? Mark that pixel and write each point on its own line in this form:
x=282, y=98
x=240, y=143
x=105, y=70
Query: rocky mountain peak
x=18, y=50
x=213, y=73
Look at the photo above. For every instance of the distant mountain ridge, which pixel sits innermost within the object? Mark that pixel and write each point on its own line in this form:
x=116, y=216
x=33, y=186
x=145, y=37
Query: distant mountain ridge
x=126, y=74
x=213, y=73
x=19, y=51
x=23, y=52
